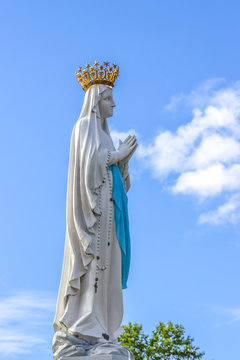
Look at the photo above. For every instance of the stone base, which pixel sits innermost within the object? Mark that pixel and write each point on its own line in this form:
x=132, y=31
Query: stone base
x=96, y=357
x=69, y=347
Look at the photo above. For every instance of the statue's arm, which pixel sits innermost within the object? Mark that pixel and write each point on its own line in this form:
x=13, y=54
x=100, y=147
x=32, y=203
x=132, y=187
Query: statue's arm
x=123, y=167
x=113, y=158
x=127, y=183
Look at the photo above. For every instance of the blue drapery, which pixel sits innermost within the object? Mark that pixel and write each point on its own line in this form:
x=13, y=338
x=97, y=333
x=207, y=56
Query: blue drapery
x=121, y=221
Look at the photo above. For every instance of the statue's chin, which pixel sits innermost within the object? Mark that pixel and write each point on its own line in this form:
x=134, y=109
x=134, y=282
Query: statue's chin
x=110, y=115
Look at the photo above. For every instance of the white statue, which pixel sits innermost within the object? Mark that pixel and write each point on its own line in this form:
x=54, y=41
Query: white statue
x=97, y=249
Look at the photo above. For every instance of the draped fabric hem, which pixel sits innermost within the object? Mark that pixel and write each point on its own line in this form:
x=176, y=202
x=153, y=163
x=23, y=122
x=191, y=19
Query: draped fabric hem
x=92, y=334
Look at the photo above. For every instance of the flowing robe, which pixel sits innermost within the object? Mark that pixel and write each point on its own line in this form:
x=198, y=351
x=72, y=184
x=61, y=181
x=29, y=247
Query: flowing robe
x=90, y=295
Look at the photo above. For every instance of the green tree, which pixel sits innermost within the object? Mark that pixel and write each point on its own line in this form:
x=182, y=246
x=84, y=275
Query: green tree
x=167, y=342
x=135, y=340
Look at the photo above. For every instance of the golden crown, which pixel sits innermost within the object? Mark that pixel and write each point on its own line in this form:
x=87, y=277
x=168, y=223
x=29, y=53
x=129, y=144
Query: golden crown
x=97, y=75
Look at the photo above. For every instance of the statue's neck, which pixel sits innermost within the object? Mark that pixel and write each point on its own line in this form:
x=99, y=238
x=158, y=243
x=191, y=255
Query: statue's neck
x=103, y=123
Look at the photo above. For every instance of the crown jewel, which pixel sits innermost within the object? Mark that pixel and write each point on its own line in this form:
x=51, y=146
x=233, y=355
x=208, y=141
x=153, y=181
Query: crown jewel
x=97, y=74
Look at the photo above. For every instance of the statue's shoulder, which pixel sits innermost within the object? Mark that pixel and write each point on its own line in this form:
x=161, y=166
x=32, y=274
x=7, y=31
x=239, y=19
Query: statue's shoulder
x=80, y=128
x=77, y=126
x=80, y=125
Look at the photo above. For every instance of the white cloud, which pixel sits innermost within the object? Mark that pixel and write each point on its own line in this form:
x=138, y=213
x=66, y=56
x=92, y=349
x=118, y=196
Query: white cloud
x=210, y=181
x=231, y=312
x=204, y=154
x=235, y=313
x=228, y=212
x=198, y=97
x=24, y=318
x=212, y=148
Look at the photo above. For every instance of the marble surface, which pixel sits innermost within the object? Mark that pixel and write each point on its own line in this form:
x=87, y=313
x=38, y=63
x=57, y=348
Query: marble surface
x=96, y=357
x=90, y=300
x=67, y=346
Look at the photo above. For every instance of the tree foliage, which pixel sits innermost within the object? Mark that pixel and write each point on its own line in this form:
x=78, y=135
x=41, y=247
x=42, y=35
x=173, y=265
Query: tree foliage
x=135, y=340
x=167, y=342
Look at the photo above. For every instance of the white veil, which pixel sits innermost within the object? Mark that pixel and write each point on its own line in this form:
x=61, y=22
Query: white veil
x=90, y=149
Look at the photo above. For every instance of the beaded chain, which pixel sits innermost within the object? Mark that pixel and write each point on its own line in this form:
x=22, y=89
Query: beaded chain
x=100, y=265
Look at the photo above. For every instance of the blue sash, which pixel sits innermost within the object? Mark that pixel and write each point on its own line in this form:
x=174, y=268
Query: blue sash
x=121, y=221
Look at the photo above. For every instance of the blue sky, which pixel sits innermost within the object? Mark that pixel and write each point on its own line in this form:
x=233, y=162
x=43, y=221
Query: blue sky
x=179, y=90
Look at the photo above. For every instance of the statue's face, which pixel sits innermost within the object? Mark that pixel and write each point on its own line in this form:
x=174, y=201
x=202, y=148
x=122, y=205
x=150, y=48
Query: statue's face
x=106, y=104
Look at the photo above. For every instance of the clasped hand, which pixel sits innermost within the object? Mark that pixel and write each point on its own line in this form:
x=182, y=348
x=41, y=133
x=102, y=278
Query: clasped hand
x=127, y=148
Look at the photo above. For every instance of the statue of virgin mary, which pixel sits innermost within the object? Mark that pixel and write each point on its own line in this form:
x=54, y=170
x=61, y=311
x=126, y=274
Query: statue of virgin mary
x=97, y=244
